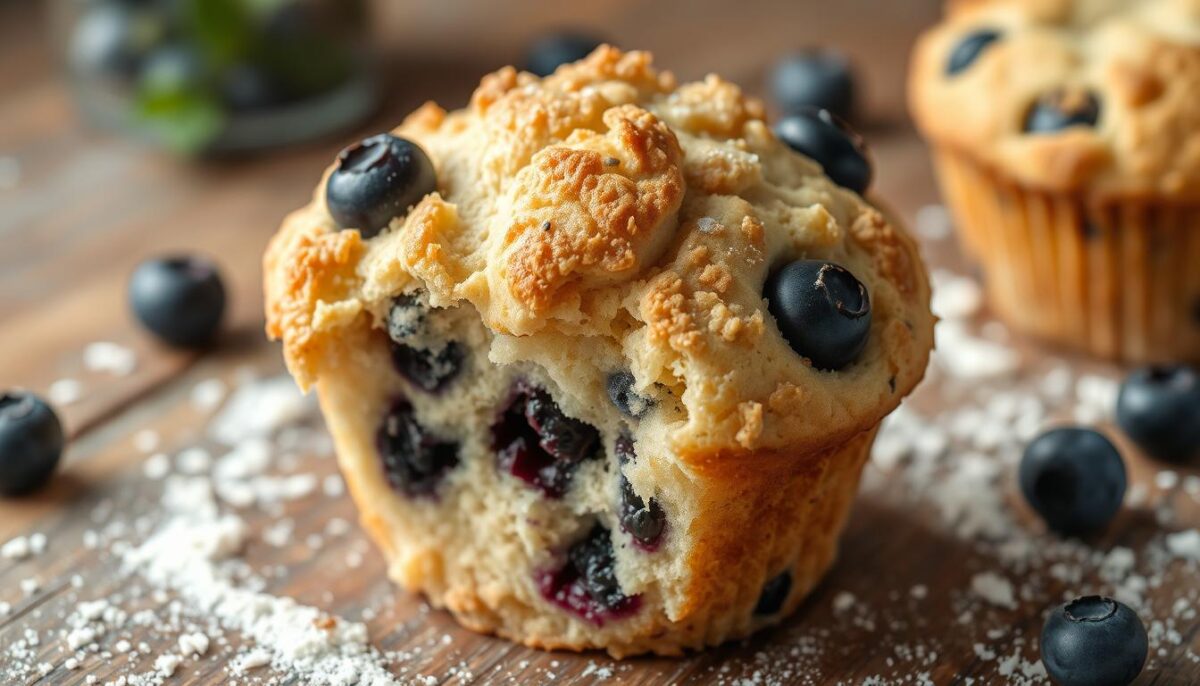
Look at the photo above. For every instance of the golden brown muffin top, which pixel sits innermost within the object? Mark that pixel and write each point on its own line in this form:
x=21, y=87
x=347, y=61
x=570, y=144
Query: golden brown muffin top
x=605, y=213
x=1135, y=63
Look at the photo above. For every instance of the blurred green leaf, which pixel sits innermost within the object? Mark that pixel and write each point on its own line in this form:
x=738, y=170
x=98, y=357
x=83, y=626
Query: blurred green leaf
x=184, y=120
x=224, y=28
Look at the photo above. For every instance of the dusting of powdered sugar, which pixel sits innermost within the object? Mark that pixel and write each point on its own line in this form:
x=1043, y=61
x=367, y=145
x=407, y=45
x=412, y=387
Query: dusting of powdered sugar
x=186, y=555
x=189, y=584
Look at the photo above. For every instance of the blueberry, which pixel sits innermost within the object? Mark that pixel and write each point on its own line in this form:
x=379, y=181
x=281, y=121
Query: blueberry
x=1093, y=641
x=815, y=79
x=414, y=461
x=429, y=366
x=1062, y=109
x=535, y=442
x=587, y=584
x=645, y=522
x=550, y=52
x=31, y=442
x=774, y=594
x=969, y=49
x=594, y=560
x=377, y=179
x=621, y=392
x=822, y=311
x=180, y=299
x=406, y=318
x=1159, y=408
x=830, y=143
x=429, y=369
x=1074, y=478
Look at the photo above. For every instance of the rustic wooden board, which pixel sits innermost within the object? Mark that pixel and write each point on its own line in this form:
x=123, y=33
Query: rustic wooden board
x=88, y=207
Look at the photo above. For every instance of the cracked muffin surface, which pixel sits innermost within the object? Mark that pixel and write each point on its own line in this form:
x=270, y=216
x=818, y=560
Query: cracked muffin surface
x=560, y=398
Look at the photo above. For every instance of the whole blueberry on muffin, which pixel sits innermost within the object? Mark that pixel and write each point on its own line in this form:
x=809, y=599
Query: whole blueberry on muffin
x=608, y=378
x=1064, y=136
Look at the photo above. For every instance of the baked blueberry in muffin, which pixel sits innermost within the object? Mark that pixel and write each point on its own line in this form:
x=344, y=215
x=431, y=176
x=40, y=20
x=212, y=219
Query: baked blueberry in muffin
x=603, y=357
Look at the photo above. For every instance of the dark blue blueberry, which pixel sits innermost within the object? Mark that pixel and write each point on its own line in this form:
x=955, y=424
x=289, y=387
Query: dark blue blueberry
x=830, y=143
x=414, y=461
x=180, y=299
x=969, y=49
x=1159, y=408
x=1074, y=478
x=774, y=594
x=623, y=396
x=1062, y=109
x=1093, y=641
x=645, y=522
x=376, y=180
x=820, y=79
x=406, y=317
x=550, y=52
x=428, y=366
x=535, y=442
x=430, y=370
x=31, y=442
x=587, y=584
x=822, y=311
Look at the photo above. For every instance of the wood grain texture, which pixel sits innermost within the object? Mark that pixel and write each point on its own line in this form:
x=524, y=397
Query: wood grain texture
x=89, y=206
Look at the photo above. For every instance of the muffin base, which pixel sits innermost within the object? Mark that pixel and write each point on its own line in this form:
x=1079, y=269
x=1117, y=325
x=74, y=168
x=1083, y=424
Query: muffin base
x=740, y=520
x=1118, y=279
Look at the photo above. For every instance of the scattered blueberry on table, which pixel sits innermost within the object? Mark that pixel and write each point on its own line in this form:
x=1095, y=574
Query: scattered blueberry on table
x=823, y=311
x=377, y=179
x=180, y=299
x=1094, y=641
x=968, y=50
x=552, y=51
x=1074, y=478
x=1159, y=408
x=31, y=442
x=831, y=143
x=821, y=79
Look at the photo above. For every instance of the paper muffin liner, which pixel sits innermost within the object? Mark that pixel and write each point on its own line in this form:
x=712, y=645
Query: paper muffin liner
x=1118, y=279
x=759, y=513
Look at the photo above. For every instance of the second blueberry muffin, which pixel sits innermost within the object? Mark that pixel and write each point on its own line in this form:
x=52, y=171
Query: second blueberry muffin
x=602, y=357
x=1067, y=138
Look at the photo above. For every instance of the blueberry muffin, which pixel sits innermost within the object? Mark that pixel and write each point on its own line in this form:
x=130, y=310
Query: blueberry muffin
x=1065, y=135
x=602, y=357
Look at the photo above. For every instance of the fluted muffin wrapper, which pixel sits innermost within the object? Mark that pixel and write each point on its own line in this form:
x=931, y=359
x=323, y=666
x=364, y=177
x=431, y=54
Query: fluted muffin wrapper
x=1118, y=279
x=757, y=513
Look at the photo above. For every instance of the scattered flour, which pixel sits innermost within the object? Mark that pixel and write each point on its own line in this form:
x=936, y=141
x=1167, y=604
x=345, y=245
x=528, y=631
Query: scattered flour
x=65, y=392
x=103, y=356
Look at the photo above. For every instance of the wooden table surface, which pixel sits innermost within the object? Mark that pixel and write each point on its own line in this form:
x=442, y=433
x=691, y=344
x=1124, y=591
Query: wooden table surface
x=86, y=207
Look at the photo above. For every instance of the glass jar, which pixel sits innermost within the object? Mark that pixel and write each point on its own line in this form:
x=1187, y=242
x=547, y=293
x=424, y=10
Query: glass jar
x=200, y=76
